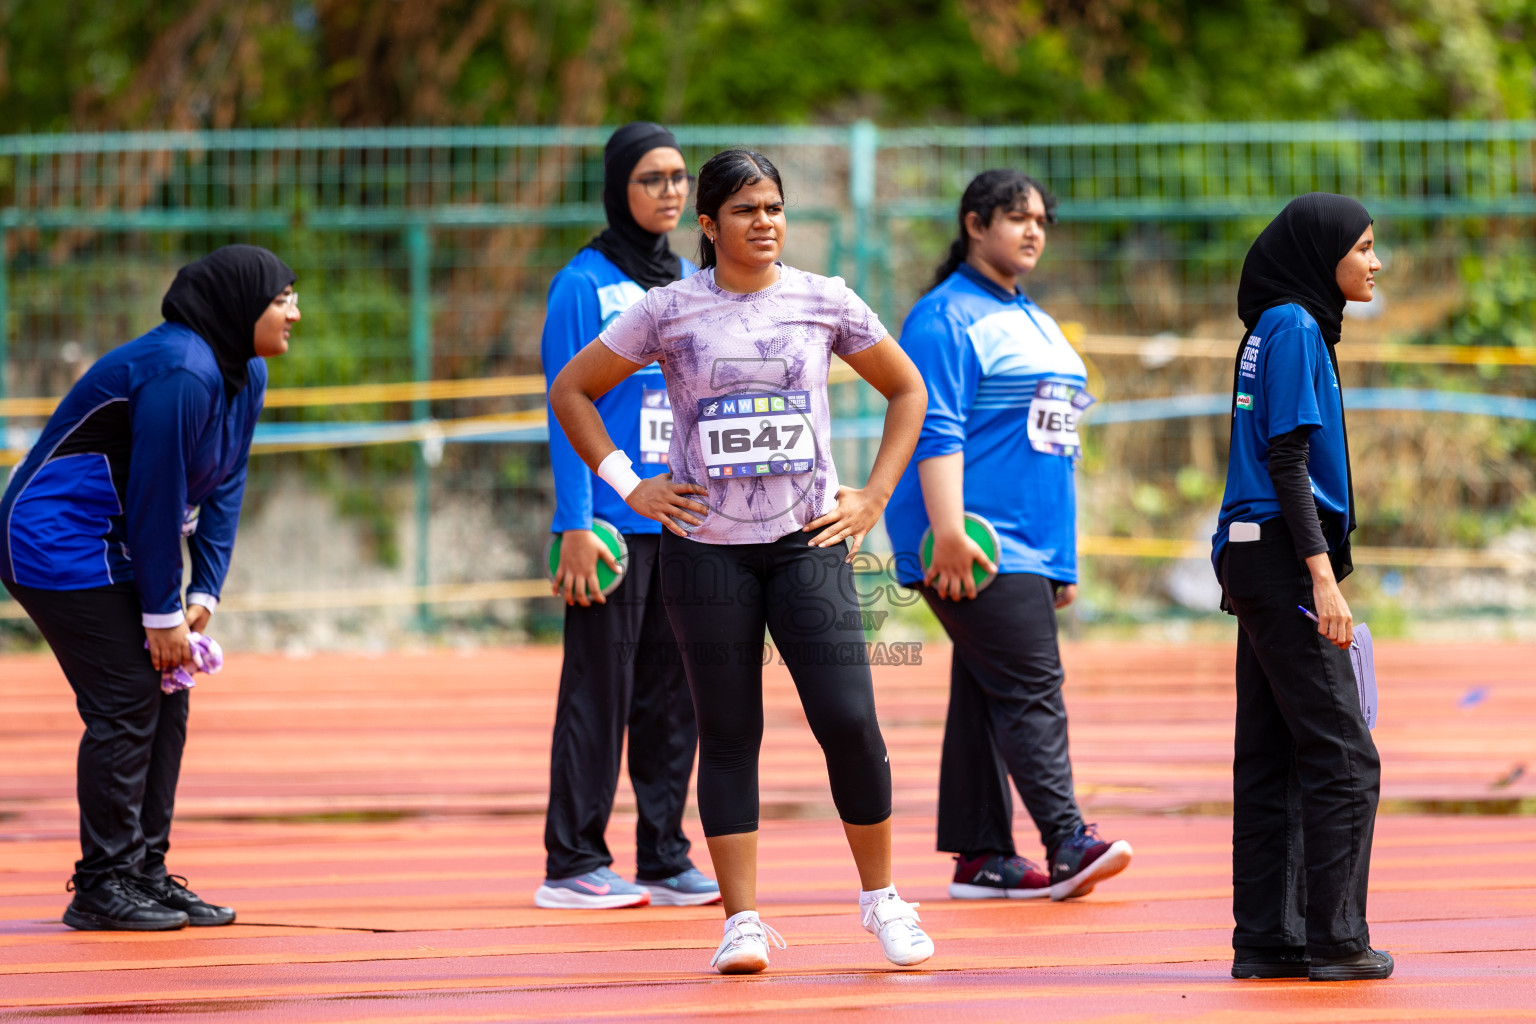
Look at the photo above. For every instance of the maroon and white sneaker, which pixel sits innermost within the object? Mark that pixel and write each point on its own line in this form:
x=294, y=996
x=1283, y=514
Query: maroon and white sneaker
x=991, y=876
x=1084, y=861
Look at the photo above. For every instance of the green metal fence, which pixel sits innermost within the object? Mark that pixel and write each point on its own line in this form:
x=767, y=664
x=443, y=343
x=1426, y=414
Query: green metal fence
x=476, y=210
x=425, y=253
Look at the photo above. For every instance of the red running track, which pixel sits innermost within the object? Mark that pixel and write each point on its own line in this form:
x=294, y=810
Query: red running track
x=377, y=823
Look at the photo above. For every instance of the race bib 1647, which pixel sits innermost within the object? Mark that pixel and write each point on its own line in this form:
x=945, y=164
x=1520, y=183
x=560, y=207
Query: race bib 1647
x=757, y=434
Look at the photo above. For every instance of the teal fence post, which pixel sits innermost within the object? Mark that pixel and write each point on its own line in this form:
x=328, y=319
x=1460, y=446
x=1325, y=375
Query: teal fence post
x=863, y=143
x=5, y=327
x=418, y=244
x=863, y=150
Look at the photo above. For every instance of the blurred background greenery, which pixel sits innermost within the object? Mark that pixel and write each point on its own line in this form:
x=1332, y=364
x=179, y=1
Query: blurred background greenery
x=123, y=64
x=1156, y=221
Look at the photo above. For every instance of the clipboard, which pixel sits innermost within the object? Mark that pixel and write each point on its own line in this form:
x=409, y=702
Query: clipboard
x=1362, y=656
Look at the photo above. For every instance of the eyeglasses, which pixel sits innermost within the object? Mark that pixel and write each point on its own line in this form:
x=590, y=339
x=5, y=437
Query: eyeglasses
x=656, y=184
x=289, y=301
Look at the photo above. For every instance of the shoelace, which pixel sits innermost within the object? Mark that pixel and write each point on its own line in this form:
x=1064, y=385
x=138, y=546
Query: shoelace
x=766, y=932
x=133, y=889
x=1086, y=835
x=126, y=886
x=173, y=885
x=898, y=912
x=1024, y=864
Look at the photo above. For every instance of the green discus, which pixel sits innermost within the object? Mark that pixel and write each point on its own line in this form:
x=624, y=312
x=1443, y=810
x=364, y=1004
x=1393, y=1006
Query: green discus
x=984, y=534
x=607, y=580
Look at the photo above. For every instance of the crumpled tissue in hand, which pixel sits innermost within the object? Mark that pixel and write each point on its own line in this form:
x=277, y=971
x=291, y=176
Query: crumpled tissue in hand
x=207, y=656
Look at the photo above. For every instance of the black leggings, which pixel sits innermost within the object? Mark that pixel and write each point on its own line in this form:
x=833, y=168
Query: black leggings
x=130, y=755
x=719, y=598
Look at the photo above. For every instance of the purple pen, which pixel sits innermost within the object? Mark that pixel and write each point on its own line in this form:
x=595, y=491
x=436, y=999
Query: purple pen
x=1307, y=613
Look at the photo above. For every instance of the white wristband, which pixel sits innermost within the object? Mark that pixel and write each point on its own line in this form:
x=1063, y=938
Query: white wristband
x=617, y=470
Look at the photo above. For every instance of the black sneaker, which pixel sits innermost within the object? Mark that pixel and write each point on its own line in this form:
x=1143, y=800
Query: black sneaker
x=171, y=891
x=1084, y=861
x=117, y=905
x=1278, y=962
x=991, y=876
x=1366, y=965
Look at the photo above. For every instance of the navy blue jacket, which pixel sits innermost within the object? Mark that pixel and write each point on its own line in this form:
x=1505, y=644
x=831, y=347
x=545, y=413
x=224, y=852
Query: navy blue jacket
x=144, y=450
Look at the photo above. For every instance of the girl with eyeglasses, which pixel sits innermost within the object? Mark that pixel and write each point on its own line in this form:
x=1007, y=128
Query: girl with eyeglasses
x=148, y=448
x=621, y=671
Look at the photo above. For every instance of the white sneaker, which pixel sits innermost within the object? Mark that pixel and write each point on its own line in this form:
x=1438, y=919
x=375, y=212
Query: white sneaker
x=744, y=950
x=894, y=922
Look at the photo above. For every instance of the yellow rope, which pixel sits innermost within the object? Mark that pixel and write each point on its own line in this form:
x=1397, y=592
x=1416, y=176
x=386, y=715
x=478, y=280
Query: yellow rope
x=1418, y=558
x=1099, y=547
x=372, y=597
x=1094, y=344
x=1217, y=348
x=407, y=391
x=412, y=431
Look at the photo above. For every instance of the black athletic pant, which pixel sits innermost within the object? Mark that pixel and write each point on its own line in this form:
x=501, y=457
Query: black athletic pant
x=1305, y=774
x=720, y=597
x=130, y=755
x=1006, y=717
x=621, y=670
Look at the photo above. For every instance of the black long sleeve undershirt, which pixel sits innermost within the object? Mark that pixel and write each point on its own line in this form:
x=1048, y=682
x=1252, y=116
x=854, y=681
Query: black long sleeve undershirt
x=1288, y=471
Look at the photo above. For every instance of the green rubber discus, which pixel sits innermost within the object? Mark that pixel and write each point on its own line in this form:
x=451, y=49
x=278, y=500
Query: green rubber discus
x=607, y=580
x=984, y=534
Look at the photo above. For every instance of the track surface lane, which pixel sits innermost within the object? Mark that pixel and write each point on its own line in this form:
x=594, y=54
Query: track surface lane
x=377, y=822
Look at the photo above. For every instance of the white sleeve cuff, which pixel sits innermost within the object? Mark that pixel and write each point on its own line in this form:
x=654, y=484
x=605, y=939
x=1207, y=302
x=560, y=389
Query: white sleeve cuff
x=206, y=600
x=166, y=621
x=617, y=470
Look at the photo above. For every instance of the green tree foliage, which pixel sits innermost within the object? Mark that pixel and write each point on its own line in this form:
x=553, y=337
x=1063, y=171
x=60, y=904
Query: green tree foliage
x=107, y=64
x=1500, y=305
x=238, y=63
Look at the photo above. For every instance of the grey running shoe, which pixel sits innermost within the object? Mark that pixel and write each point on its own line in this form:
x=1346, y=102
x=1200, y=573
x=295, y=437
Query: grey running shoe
x=595, y=890
x=691, y=888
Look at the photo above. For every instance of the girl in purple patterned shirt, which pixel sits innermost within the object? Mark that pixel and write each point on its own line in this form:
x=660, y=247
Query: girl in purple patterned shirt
x=745, y=345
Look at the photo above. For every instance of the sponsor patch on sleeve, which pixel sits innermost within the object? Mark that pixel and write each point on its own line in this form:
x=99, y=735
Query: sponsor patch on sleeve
x=1244, y=401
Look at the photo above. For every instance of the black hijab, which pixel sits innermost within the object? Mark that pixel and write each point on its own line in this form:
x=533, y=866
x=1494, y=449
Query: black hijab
x=1294, y=259
x=221, y=296
x=645, y=257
